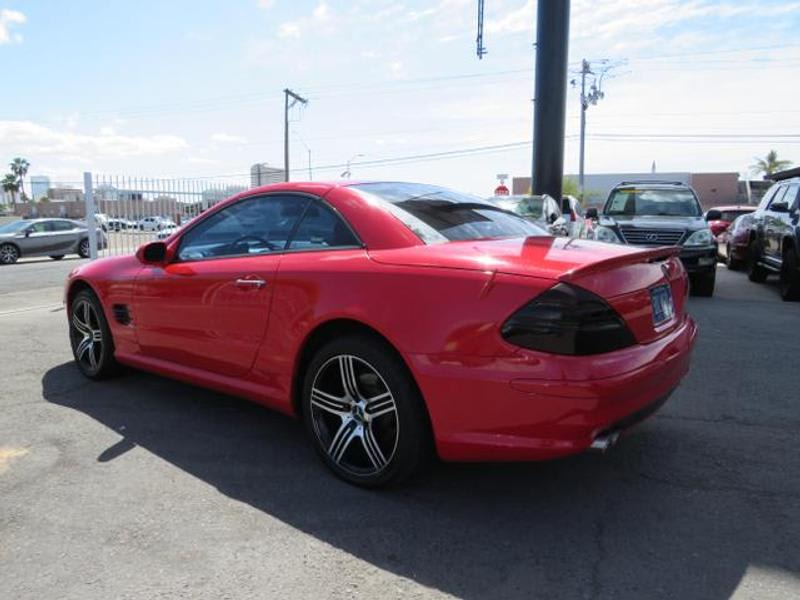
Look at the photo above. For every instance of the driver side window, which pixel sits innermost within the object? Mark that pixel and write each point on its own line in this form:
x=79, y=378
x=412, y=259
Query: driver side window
x=249, y=227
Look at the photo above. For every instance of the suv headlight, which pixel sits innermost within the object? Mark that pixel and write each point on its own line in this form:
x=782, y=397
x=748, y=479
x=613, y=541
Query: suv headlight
x=700, y=238
x=606, y=234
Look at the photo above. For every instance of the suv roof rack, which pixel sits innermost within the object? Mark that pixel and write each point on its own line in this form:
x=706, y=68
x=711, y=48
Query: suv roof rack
x=649, y=181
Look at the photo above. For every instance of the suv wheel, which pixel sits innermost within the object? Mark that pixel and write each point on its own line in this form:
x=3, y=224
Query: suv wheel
x=703, y=285
x=790, y=277
x=755, y=272
x=364, y=413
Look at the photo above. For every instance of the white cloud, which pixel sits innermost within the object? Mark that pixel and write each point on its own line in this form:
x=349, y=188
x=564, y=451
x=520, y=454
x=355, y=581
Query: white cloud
x=266, y=4
x=31, y=138
x=8, y=19
x=289, y=30
x=322, y=11
x=226, y=138
x=321, y=15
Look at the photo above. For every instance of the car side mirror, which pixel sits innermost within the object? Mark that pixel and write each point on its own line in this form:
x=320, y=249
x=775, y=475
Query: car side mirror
x=154, y=253
x=780, y=207
x=713, y=215
x=591, y=213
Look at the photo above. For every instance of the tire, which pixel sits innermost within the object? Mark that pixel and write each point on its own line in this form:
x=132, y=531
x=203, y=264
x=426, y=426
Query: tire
x=57, y=256
x=732, y=263
x=83, y=248
x=382, y=437
x=9, y=254
x=790, y=276
x=703, y=285
x=755, y=272
x=90, y=338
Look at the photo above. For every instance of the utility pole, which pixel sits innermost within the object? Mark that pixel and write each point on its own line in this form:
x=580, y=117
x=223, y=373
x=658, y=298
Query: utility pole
x=552, y=39
x=585, y=70
x=286, y=106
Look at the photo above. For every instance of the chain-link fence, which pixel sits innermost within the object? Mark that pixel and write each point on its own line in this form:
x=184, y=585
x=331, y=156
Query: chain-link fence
x=131, y=211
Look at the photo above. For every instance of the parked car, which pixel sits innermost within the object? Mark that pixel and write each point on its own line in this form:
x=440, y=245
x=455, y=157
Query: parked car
x=121, y=224
x=326, y=302
x=540, y=209
x=732, y=243
x=659, y=213
x=774, y=245
x=45, y=237
x=155, y=223
x=727, y=214
x=574, y=216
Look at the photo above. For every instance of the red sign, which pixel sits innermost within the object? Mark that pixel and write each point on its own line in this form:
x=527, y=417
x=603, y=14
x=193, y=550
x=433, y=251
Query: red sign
x=501, y=190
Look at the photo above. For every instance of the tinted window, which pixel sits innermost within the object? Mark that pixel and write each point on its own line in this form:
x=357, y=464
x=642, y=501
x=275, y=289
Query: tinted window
x=13, y=227
x=730, y=215
x=252, y=226
x=778, y=195
x=790, y=197
x=438, y=215
x=528, y=206
x=653, y=202
x=321, y=228
x=42, y=227
x=62, y=226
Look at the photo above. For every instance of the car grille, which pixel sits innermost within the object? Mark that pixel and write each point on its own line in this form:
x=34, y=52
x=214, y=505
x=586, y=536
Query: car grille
x=651, y=237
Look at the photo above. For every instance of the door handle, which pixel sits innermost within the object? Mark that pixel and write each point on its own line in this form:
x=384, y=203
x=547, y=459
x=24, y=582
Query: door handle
x=250, y=283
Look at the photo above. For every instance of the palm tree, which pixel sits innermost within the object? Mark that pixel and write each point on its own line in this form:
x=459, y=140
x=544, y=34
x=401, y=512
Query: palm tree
x=769, y=165
x=19, y=167
x=10, y=185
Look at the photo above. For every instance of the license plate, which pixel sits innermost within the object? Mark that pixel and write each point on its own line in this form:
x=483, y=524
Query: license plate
x=663, y=307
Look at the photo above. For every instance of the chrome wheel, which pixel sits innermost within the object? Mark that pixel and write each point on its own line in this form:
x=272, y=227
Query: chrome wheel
x=8, y=254
x=87, y=335
x=354, y=415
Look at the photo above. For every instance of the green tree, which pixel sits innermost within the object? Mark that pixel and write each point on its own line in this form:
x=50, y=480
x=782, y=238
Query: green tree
x=11, y=186
x=770, y=164
x=19, y=167
x=569, y=187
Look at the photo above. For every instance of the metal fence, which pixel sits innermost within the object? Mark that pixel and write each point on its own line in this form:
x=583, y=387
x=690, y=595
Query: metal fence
x=131, y=211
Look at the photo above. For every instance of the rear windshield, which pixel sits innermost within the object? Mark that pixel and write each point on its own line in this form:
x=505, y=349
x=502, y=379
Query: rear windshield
x=730, y=215
x=439, y=215
x=653, y=202
x=529, y=206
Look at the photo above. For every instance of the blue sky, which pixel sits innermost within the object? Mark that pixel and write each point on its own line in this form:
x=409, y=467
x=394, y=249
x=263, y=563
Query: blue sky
x=191, y=89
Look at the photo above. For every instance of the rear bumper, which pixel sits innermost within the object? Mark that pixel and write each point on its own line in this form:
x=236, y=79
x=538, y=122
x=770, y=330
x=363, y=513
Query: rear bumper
x=533, y=406
x=699, y=260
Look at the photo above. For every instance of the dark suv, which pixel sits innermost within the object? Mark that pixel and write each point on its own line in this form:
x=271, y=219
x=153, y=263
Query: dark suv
x=774, y=245
x=661, y=213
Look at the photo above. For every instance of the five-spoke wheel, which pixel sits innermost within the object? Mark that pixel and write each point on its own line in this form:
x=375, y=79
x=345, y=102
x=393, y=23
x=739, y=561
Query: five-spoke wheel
x=364, y=413
x=90, y=337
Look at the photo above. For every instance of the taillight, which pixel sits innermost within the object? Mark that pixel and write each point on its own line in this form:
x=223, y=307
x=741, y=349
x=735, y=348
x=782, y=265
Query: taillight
x=568, y=320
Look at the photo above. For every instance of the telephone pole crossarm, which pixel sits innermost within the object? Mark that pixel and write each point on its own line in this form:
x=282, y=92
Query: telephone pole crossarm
x=286, y=106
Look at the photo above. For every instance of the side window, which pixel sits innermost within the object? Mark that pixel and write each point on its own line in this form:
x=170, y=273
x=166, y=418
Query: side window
x=62, y=226
x=778, y=196
x=321, y=228
x=42, y=227
x=767, y=198
x=252, y=226
x=791, y=195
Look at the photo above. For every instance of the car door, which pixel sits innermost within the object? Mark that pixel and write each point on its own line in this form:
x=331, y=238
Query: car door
x=785, y=221
x=38, y=239
x=773, y=222
x=209, y=307
x=65, y=237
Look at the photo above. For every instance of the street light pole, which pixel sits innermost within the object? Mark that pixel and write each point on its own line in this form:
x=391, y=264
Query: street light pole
x=584, y=71
x=346, y=173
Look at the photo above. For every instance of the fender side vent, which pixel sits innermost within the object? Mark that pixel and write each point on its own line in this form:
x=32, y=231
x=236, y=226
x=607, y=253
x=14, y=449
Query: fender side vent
x=121, y=314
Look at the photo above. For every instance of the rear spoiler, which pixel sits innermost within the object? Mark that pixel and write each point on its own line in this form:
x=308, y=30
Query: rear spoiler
x=652, y=255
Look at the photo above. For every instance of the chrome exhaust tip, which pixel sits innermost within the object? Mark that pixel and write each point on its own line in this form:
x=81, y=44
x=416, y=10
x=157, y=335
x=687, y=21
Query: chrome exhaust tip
x=604, y=441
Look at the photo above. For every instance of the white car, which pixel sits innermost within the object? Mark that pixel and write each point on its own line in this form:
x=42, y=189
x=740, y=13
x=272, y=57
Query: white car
x=154, y=223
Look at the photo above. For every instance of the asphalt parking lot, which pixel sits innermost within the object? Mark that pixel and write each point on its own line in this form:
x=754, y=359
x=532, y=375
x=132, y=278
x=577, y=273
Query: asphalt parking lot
x=142, y=487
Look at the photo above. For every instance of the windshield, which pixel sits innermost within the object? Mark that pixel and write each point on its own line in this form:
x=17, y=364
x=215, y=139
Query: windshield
x=527, y=206
x=653, y=202
x=13, y=227
x=439, y=215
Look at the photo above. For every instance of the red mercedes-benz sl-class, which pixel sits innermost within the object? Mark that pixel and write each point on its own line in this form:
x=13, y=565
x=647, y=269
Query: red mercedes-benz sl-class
x=397, y=320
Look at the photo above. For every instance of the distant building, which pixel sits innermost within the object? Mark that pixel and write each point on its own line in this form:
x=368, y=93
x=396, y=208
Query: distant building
x=213, y=195
x=40, y=184
x=263, y=174
x=64, y=194
x=713, y=189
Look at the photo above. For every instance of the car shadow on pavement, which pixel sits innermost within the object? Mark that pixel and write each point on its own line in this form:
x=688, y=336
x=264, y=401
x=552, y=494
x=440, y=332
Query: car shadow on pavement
x=641, y=522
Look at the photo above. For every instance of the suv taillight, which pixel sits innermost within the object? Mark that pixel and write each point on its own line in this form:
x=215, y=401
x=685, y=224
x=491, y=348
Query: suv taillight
x=568, y=320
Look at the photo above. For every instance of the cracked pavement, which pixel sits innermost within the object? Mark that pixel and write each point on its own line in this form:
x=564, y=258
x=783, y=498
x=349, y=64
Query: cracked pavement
x=141, y=487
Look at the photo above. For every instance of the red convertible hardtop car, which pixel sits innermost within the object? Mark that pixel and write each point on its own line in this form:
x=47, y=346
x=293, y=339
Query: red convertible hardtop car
x=397, y=320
